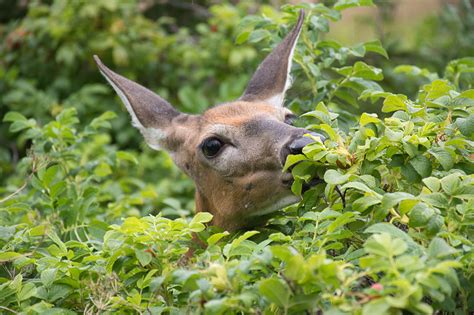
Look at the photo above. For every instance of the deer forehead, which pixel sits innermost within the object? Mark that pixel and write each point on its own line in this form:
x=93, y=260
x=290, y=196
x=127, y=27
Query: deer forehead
x=238, y=113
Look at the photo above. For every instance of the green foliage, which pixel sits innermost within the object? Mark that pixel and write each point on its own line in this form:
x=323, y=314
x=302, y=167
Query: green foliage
x=90, y=226
x=46, y=63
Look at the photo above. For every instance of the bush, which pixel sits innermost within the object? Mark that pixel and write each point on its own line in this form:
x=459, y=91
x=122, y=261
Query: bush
x=389, y=231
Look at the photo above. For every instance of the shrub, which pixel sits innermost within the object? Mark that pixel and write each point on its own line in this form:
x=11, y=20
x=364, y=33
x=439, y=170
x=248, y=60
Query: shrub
x=389, y=231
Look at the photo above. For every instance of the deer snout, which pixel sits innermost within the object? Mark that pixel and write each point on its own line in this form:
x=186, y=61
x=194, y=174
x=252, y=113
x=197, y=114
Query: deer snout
x=296, y=145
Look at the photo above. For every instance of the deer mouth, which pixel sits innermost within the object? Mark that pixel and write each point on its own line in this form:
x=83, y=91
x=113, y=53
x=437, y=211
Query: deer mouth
x=287, y=179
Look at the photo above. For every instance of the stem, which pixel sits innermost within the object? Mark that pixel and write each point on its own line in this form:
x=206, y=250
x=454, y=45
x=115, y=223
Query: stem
x=16, y=191
x=331, y=95
x=9, y=309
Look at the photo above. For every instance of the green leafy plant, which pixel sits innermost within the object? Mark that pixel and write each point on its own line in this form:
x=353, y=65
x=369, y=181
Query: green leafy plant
x=87, y=227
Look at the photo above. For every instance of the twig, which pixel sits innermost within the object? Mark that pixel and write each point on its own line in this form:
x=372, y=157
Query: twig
x=342, y=195
x=16, y=191
x=34, y=168
x=8, y=309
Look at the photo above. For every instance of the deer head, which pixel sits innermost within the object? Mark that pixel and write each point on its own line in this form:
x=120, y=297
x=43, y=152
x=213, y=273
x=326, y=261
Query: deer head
x=235, y=151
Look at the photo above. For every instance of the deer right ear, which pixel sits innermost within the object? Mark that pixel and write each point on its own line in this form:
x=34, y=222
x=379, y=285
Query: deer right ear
x=151, y=114
x=272, y=78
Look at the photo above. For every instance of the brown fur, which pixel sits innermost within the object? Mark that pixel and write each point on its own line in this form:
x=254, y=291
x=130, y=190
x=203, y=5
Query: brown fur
x=245, y=180
x=251, y=179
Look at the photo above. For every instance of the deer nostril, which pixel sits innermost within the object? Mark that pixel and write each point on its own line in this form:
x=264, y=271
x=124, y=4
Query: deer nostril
x=296, y=147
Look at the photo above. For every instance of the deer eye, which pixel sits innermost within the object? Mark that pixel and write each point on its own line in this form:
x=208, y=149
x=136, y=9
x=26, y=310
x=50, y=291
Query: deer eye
x=211, y=147
x=290, y=119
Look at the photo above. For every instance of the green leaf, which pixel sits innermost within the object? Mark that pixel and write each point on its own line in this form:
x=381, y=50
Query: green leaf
x=377, y=306
x=294, y=269
x=201, y=217
x=434, y=225
x=57, y=189
x=319, y=23
x=243, y=237
x=450, y=183
x=275, y=291
x=297, y=187
x=409, y=172
x=344, y=4
x=8, y=256
x=19, y=125
x=436, y=89
x=363, y=203
x=438, y=248
x=359, y=186
x=49, y=175
x=420, y=214
x=258, y=35
x=14, y=116
x=103, y=120
x=48, y=276
x=62, y=247
x=143, y=257
x=302, y=171
x=6, y=232
x=321, y=115
x=126, y=156
x=433, y=183
x=416, y=71
x=363, y=70
x=16, y=283
x=340, y=221
x=368, y=118
x=213, y=239
x=384, y=245
x=437, y=200
x=394, y=103
x=27, y=291
x=390, y=200
x=333, y=177
x=466, y=125
x=330, y=131
x=242, y=37
x=410, y=148
x=422, y=165
x=292, y=160
x=103, y=170
x=443, y=156
x=395, y=233
x=197, y=223
x=376, y=46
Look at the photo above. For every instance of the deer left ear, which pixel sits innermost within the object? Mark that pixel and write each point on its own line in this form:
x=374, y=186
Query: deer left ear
x=272, y=78
x=150, y=113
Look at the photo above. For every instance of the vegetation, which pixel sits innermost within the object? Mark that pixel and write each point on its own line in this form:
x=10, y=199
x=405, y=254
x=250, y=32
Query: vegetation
x=92, y=222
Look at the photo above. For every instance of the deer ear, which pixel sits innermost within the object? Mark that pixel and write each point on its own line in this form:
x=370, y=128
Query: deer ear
x=272, y=78
x=151, y=114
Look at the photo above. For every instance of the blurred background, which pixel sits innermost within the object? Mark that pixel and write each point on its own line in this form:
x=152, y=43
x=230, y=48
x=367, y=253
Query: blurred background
x=190, y=53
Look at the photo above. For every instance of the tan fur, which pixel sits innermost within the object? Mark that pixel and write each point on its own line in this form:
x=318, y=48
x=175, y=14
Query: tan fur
x=237, y=112
x=245, y=179
x=251, y=182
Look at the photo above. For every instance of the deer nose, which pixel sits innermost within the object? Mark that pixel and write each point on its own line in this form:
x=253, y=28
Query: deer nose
x=297, y=145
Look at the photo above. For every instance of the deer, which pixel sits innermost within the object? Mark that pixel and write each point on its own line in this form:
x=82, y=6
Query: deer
x=235, y=151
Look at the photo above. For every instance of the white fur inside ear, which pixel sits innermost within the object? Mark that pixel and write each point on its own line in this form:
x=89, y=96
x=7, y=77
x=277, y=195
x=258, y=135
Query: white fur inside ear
x=278, y=99
x=289, y=79
x=135, y=122
x=152, y=136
